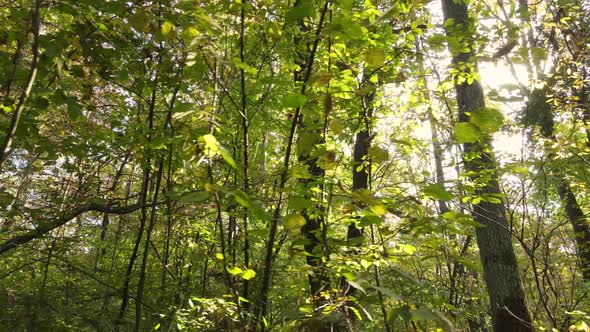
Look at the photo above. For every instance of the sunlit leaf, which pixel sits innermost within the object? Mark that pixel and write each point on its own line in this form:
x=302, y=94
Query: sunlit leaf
x=167, y=28
x=248, y=274
x=294, y=100
x=466, y=132
x=437, y=192
x=293, y=222
x=488, y=120
x=194, y=197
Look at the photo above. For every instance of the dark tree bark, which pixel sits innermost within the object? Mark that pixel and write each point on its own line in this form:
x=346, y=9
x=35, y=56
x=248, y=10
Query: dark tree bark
x=507, y=298
x=46, y=227
x=311, y=131
x=361, y=167
x=579, y=223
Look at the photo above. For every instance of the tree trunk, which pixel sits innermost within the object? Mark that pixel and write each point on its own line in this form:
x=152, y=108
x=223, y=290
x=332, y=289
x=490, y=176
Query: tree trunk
x=579, y=223
x=538, y=112
x=507, y=298
x=311, y=132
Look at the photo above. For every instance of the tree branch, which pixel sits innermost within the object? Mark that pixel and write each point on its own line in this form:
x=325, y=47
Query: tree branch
x=47, y=227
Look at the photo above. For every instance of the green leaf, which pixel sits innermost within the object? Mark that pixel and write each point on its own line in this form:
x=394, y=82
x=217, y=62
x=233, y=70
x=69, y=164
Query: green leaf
x=299, y=203
x=306, y=141
x=370, y=220
x=234, y=270
x=356, y=312
x=294, y=100
x=167, y=29
x=196, y=197
x=242, y=198
x=438, y=192
x=246, y=67
x=248, y=274
x=365, y=263
x=375, y=57
x=190, y=33
x=293, y=222
x=389, y=293
x=139, y=21
x=74, y=108
x=300, y=172
x=378, y=154
x=488, y=120
x=210, y=143
x=466, y=132
x=227, y=157
x=212, y=147
x=378, y=209
x=356, y=285
x=422, y=314
x=304, y=8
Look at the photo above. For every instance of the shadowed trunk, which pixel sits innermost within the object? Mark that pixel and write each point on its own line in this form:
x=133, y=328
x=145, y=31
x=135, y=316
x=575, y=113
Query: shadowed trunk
x=538, y=112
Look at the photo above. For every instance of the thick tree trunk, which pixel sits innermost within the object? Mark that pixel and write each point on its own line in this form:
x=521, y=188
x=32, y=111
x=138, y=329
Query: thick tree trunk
x=360, y=173
x=507, y=298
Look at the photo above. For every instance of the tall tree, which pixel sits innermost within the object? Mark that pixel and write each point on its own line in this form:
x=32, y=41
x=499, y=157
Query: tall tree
x=507, y=297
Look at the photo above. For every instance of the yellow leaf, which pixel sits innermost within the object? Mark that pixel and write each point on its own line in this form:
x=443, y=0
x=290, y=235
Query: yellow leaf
x=167, y=28
x=209, y=187
x=248, y=274
x=379, y=209
x=293, y=222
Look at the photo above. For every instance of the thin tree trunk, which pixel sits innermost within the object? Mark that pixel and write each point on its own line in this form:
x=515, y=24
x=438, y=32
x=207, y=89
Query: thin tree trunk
x=104, y=227
x=160, y=172
x=142, y=271
x=579, y=222
x=507, y=298
x=14, y=121
x=262, y=304
x=246, y=155
x=361, y=168
x=143, y=198
x=314, y=227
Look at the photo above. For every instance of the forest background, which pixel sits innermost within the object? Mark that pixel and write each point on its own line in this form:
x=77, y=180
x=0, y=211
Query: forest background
x=189, y=165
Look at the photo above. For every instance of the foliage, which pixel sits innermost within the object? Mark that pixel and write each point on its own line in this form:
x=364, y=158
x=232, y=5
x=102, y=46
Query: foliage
x=156, y=144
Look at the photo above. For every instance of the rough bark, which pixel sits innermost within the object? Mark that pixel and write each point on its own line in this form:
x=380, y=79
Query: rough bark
x=507, y=298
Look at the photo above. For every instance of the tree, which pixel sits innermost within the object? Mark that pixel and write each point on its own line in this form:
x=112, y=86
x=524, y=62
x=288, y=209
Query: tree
x=507, y=297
